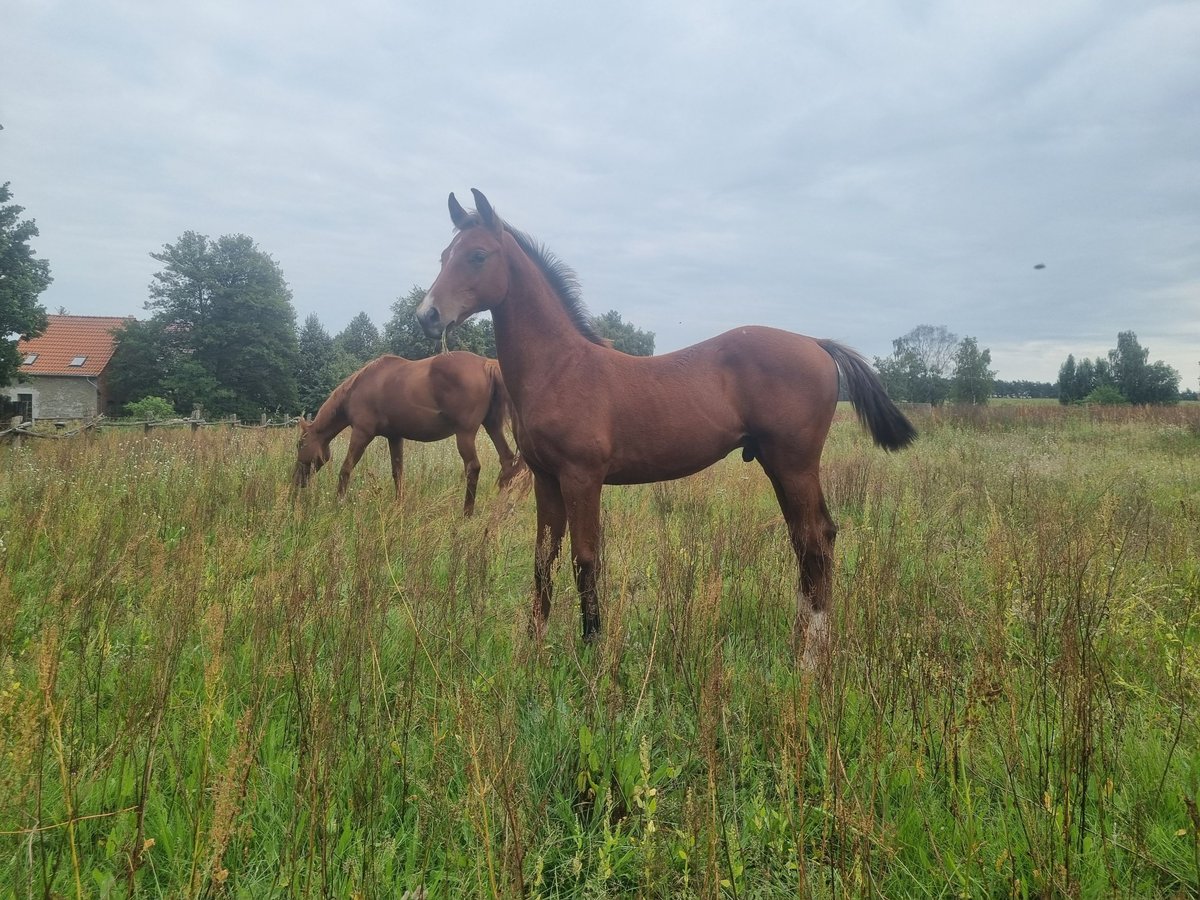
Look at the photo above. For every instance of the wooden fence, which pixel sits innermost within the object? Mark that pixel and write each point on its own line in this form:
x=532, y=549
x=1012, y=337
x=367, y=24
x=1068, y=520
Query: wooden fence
x=18, y=430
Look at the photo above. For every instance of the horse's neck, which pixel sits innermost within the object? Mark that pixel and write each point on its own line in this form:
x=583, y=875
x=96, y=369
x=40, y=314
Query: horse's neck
x=535, y=336
x=330, y=419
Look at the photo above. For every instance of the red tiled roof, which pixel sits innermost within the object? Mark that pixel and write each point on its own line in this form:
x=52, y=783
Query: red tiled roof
x=69, y=337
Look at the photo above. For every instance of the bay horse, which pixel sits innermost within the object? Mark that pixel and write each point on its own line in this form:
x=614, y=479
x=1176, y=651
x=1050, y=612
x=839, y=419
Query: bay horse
x=420, y=400
x=590, y=415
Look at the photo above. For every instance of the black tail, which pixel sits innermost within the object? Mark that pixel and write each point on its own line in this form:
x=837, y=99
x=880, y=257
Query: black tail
x=876, y=411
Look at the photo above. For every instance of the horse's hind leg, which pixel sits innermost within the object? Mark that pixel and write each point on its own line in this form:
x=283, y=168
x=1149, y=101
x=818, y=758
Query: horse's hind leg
x=396, y=448
x=812, y=532
x=466, y=449
x=358, y=443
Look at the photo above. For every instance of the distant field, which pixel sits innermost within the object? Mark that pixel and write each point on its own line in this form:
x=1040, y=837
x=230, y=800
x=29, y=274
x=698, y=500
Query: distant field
x=210, y=687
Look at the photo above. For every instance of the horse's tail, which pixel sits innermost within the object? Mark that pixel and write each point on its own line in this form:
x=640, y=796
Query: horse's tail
x=514, y=473
x=500, y=408
x=889, y=427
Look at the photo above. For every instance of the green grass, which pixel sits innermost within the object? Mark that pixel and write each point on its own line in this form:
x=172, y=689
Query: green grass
x=209, y=687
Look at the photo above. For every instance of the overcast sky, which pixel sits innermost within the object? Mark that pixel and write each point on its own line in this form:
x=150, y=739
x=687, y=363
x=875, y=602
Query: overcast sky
x=845, y=170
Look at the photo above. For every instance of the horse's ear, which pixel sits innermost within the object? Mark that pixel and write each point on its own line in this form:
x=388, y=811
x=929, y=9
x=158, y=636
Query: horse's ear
x=302, y=423
x=458, y=215
x=486, y=213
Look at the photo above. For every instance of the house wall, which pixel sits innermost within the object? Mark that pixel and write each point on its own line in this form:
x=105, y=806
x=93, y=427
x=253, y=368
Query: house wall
x=58, y=397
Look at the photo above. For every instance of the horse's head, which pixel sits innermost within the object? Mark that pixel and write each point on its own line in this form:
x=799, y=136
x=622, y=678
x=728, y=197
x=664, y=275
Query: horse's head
x=311, y=454
x=474, y=274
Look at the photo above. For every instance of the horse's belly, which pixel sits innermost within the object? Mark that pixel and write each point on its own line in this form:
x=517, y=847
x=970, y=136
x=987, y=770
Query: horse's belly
x=641, y=463
x=426, y=428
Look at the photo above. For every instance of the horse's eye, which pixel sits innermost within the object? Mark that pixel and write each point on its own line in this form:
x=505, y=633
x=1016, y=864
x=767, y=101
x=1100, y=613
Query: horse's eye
x=479, y=257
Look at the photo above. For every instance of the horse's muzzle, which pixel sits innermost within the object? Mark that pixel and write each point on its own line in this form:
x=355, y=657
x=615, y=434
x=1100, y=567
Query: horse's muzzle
x=431, y=322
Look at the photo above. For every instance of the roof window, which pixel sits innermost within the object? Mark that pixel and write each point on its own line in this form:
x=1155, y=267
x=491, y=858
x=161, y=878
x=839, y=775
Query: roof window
x=30, y=359
x=79, y=360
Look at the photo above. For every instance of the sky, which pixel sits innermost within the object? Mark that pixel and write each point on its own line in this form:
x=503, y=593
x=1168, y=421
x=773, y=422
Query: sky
x=846, y=170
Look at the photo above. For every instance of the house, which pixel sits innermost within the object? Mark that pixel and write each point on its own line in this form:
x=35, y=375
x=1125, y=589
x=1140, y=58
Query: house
x=63, y=370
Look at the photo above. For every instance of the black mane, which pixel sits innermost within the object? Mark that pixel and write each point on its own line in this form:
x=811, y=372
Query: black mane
x=562, y=278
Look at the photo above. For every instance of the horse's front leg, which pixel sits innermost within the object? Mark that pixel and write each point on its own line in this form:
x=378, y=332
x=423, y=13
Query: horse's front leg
x=359, y=439
x=582, y=498
x=551, y=523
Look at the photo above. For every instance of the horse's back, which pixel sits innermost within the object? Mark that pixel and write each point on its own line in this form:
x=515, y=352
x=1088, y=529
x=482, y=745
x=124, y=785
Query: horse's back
x=754, y=368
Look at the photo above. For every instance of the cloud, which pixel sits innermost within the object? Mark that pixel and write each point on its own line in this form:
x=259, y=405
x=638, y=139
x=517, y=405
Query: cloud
x=850, y=171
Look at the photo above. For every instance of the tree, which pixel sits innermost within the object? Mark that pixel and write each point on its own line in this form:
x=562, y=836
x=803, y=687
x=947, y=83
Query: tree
x=476, y=335
x=1162, y=384
x=140, y=363
x=318, y=366
x=1025, y=389
x=1066, y=381
x=1089, y=376
x=223, y=333
x=1129, y=364
x=1137, y=380
x=360, y=340
x=624, y=335
x=973, y=380
x=916, y=370
x=935, y=346
x=22, y=278
x=1125, y=373
x=402, y=335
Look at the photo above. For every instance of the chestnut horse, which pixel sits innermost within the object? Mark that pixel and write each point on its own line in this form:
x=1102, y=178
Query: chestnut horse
x=591, y=416
x=421, y=400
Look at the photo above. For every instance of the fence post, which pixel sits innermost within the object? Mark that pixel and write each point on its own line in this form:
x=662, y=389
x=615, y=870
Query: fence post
x=263, y=420
x=233, y=421
x=195, y=420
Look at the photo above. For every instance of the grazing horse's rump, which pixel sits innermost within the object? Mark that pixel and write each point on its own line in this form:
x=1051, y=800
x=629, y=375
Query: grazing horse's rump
x=590, y=415
x=420, y=400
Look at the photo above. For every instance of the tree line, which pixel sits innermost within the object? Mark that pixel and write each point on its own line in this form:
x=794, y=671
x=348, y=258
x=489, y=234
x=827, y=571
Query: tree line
x=222, y=336
x=1125, y=376
x=931, y=365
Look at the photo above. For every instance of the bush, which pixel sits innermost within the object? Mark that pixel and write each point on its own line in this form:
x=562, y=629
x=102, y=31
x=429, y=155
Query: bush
x=151, y=408
x=1105, y=395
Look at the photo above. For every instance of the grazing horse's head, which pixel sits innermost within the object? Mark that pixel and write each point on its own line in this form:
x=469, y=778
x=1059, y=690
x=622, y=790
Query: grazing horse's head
x=311, y=454
x=474, y=273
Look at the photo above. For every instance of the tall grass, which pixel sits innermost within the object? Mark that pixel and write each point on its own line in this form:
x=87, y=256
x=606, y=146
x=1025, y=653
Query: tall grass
x=210, y=686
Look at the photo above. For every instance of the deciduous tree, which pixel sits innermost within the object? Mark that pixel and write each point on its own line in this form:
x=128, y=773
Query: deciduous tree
x=625, y=336
x=917, y=369
x=1125, y=373
x=223, y=331
x=972, y=380
x=22, y=278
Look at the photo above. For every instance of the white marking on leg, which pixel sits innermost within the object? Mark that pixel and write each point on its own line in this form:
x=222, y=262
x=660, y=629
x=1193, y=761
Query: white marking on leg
x=816, y=632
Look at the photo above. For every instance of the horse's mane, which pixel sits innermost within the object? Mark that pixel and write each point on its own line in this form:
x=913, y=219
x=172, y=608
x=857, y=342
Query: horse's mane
x=563, y=280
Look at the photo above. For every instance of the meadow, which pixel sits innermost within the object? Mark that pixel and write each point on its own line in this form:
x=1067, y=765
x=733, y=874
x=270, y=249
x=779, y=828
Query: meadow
x=211, y=686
